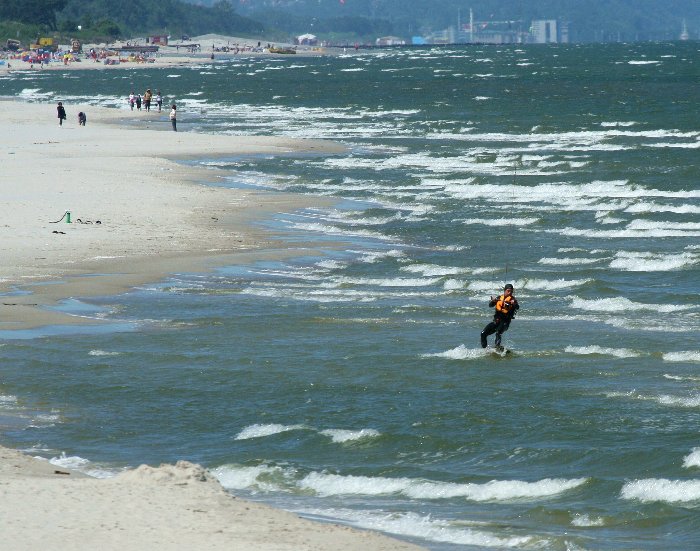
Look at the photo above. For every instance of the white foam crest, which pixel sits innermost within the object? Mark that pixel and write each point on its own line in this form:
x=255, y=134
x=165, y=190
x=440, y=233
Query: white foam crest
x=425, y=527
x=617, y=123
x=681, y=378
x=433, y=270
x=644, y=207
x=568, y=261
x=460, y=353
x=376, y=256
x=661, y=489
x=509, y=221
x=390, y=282
x=452, y=284
x=593, y=349
x=559, y=193
x=527, y=284
x=82, y=465
x=662, y=225
x=259, y=431
x=692, y=459
x=643, y=62
x=340, y=436
x=331, y=264
x=5, y=400
x=586, y=520
x=496, y=490
x=262, y=477
x=682, y=356
x=681, y=401
x=102, y=353
x=335, y=230
x=550, y=284
x=622, y=305
x=33, y=94
x=653, y=262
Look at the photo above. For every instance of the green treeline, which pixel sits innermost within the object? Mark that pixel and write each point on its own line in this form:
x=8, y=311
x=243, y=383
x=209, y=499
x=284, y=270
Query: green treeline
x=112, y=19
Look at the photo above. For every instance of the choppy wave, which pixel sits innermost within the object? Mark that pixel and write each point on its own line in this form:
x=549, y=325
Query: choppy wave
x=682, y=356
x=594, y=349
x=460, y=353
x=568, y=261
x=530, y=284
x=432, y=270
x=7, y=399
x=661, y=399
x=623, y=305
x=325, y=484
x=259, y=431
x=660, y=489
x=692, y=459
x=650, y=262
x=103, y=353
x=341, y=436
x=426, y=527
x=587, y=520
x=80, y=464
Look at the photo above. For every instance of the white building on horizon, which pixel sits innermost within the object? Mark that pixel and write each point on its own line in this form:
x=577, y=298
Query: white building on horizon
x=548, y=31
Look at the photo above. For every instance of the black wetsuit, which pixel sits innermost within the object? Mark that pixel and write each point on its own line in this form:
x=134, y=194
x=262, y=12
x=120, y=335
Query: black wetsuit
x=501, y=320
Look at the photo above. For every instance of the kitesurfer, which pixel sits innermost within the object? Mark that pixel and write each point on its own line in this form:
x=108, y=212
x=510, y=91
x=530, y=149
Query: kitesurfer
x=506, y=306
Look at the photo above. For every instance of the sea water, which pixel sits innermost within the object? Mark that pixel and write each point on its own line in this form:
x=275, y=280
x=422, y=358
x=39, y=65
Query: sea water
x=347, y=383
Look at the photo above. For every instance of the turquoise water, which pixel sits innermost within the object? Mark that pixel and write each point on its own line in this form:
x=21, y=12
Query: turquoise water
x=349, y=384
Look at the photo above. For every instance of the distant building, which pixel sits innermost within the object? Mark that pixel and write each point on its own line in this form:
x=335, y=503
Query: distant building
x=160, y=39
x=546, y=31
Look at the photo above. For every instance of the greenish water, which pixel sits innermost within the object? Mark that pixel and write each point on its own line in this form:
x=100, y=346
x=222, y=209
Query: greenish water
x=350, y=384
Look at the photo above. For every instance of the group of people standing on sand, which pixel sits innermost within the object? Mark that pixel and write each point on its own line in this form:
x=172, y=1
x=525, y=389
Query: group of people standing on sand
x=135, y=100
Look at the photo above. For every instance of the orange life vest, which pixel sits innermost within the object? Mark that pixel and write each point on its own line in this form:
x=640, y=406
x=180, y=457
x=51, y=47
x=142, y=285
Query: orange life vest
x=505, y=304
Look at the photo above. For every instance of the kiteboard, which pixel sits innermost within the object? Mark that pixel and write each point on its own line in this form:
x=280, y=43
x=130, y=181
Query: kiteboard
x=500, y=351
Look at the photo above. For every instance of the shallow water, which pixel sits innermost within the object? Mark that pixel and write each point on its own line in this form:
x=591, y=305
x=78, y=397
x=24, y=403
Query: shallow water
x=350, y=384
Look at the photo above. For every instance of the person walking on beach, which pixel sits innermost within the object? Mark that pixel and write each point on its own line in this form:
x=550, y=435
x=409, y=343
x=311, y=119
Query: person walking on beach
x=506, y=306
x=132, y=100
x=61, y=113
x=147, y=99
x=138, y=102
x=82, y=119
x=159, y=100
x=173, y=116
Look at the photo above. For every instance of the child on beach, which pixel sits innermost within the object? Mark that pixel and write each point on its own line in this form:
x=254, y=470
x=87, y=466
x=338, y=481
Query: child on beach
x=61, y=113
x=82, y=119
x=173, y=117
x=132, y=100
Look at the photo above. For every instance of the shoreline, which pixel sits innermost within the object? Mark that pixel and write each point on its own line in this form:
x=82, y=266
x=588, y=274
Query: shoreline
x=137, y=212
x=155, y=218
x=171, y=507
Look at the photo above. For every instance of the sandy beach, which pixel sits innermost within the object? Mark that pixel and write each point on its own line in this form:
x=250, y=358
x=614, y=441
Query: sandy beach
x=175, y=54
x=136, y=215
x=170, y=507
